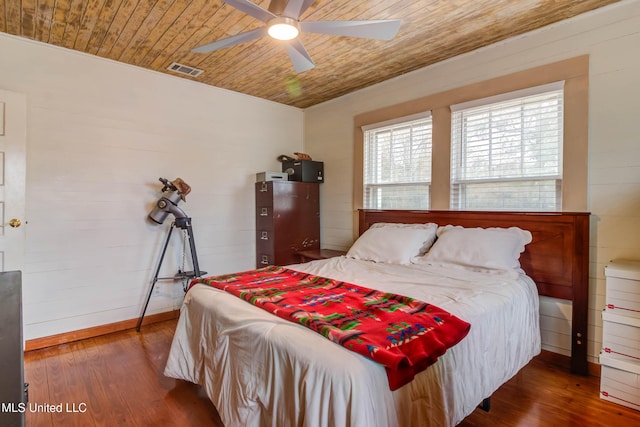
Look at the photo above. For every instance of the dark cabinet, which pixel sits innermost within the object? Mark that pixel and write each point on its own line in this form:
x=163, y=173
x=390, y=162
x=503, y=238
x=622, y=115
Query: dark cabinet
x=12, y=387
x=287, y=221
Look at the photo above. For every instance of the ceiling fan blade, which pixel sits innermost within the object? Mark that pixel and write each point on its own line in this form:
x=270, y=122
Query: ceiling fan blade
x=376, y=29
x=231, y=41
x=299, y=56
x=295, y=8
x=251, y=9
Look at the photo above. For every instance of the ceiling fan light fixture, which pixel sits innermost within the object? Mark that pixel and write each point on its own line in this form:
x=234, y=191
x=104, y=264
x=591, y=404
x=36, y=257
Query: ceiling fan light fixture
x=283, y=28
x=283, y=23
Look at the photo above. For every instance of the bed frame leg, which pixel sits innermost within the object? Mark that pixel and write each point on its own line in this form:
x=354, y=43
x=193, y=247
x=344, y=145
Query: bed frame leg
x=486, y=404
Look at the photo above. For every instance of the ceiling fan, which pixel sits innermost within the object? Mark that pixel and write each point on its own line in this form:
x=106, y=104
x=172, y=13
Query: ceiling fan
x=283, y=23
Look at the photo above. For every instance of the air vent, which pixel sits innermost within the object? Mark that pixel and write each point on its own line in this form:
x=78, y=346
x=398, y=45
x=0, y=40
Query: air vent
x=184, y=69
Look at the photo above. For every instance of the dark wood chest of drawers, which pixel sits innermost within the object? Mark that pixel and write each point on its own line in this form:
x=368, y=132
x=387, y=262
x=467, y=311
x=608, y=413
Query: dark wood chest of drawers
x=287, y=221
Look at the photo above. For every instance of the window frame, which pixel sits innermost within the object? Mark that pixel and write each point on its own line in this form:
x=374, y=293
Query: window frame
x=575, y=74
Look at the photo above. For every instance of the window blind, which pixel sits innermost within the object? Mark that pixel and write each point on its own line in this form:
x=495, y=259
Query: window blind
x=397, y=164
x=507, y=155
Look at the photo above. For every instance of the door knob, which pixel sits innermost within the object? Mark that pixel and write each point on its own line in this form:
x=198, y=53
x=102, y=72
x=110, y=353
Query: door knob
x=15, y=222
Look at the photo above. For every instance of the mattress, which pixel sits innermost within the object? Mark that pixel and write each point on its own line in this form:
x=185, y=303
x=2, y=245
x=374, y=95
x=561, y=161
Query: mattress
x=260, y=370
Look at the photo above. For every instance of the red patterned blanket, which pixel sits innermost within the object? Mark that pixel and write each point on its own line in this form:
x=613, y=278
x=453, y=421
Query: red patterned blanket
x=401, y=333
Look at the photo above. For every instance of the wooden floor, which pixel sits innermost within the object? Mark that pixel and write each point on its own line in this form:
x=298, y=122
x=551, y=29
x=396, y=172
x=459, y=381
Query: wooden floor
x=117, y=379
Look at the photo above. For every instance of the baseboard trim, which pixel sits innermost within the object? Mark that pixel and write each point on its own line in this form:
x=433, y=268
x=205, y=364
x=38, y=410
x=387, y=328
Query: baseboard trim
x=565, y=362
x=96, y=331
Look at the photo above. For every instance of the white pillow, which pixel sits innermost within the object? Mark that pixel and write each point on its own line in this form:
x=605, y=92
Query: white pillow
x=432, y=227
x=393, y=243
x=487, y=248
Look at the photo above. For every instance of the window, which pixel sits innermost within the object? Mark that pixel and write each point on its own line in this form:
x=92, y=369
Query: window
x=397, y=163
x=507, y=151
x=570, y=178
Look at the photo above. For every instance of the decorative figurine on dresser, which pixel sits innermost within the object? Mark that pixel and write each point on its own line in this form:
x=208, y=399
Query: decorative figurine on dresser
x=620, y=355
x=287, y=215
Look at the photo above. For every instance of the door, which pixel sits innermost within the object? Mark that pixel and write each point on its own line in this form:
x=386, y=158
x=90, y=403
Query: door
x=13, y=139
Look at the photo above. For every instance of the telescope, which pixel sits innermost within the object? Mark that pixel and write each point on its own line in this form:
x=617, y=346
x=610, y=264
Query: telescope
x=168, y=203
x=173, y=192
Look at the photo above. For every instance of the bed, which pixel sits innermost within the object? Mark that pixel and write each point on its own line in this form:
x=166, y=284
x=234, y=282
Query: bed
x=261, y=370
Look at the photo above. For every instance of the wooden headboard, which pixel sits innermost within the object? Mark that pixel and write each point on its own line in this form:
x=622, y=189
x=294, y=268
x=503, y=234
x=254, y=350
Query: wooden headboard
x=557, y=259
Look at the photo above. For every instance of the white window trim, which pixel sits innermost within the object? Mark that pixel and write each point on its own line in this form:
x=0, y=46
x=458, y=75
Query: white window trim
x=397, y=121
x=507, y=96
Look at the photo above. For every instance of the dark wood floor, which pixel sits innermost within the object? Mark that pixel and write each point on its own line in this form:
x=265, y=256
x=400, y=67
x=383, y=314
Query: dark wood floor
x=117, y=379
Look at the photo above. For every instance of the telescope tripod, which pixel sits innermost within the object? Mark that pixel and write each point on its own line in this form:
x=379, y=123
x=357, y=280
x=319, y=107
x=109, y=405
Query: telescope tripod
x=184, y=224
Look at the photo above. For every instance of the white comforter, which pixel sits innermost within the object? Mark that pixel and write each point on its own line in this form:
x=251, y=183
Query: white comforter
x=260, y=370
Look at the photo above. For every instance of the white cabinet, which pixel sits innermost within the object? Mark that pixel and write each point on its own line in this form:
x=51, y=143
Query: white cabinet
x=620, y=356
x=623, y=288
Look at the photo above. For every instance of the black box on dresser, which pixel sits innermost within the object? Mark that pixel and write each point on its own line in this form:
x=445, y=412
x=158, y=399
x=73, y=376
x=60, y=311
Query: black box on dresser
x=304, y=170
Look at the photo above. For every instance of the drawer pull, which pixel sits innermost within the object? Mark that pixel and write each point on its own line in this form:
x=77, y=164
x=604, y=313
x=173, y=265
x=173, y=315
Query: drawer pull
x=264, y=212
x=264, y=235
x=265, y=260
x=263, y=187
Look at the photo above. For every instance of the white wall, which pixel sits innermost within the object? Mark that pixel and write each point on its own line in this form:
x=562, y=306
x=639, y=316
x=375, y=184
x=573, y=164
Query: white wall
x=100, y=134
x=611, y=36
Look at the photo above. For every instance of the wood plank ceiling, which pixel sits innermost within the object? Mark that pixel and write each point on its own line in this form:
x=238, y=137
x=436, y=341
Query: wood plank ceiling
x=154, y=33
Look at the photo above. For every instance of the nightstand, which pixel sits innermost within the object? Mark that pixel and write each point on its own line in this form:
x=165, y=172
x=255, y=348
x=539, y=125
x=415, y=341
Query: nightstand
x=314, y=254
